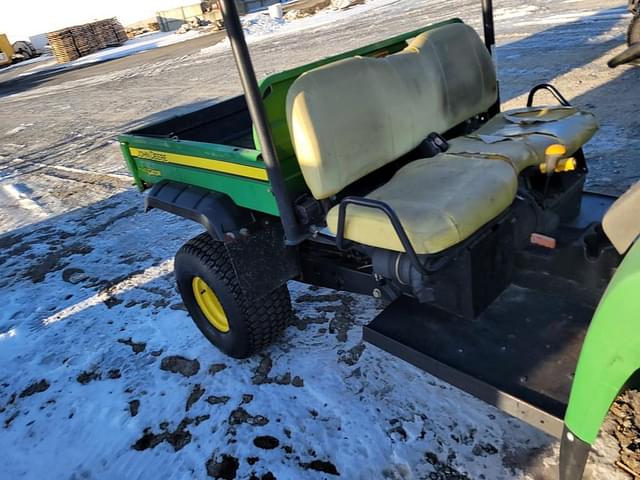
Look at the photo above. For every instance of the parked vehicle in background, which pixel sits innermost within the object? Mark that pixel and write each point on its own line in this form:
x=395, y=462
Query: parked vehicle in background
x=19, y=51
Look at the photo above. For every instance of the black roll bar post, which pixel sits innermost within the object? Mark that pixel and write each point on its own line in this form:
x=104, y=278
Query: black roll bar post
x=490, y=42
x=292, y=230
x=487, y=21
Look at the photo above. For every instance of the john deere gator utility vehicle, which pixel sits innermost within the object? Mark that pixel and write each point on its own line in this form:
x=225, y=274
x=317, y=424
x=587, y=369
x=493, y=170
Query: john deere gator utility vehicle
x=390, y=170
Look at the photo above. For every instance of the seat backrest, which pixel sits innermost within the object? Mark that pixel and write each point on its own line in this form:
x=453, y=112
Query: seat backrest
x=621, y=223
x=354, y=116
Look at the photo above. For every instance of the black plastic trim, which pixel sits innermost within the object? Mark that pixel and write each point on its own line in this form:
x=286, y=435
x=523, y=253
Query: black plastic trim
x=213, y=210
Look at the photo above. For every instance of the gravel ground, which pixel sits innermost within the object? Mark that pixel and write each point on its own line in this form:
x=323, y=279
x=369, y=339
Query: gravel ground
x=104, y=375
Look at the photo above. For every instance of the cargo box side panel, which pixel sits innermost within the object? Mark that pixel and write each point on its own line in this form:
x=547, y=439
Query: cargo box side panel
x=234, y=171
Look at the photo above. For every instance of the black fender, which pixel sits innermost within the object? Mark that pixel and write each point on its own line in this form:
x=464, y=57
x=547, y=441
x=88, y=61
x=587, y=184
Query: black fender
x=261, y=259
x=215, y=211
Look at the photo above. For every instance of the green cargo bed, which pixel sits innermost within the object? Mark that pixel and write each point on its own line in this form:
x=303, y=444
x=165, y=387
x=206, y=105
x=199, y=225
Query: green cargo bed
x=215, y=147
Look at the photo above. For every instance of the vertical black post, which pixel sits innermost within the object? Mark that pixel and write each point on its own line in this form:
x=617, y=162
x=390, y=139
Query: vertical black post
x=573, y=456
x=258, y=116
x=487, y=20
x=490, y=42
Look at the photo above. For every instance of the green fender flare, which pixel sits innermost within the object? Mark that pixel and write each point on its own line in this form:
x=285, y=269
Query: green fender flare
x=611, y=352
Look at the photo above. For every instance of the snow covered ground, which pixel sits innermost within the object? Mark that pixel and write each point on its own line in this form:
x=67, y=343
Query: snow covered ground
x=103, y=374
x=107, y=319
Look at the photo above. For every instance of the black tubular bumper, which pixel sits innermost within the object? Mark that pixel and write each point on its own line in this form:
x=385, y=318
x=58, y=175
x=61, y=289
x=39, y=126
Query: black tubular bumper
x=393, y=218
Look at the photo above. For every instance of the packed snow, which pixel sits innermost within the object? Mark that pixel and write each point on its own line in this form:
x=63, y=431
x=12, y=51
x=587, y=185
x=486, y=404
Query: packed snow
x=46, y=60
x=104, y=375
x=138, y=44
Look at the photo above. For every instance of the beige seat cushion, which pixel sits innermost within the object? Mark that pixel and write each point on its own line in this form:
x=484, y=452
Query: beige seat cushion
x=440, y=201
x=521, y=136
x=519, y=152
x=621, y=223
x=566, y=125
x=354, y=116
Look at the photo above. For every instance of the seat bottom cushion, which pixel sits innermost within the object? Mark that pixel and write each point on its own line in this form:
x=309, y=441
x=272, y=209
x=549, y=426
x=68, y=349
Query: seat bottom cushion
x=521, y=136
x=440, y=202
x=519, y=152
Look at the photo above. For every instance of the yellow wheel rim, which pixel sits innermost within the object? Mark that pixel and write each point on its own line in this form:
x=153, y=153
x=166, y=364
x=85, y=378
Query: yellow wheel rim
x=209, y=304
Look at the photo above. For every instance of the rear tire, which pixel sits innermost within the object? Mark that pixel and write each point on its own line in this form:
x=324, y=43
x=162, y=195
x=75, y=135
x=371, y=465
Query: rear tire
x=633, y=33
x=252, y=324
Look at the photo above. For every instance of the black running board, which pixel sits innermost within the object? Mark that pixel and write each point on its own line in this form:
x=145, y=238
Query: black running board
x=519, y=355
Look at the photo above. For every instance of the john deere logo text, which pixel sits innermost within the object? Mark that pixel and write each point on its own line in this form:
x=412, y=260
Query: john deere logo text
x=151, y=155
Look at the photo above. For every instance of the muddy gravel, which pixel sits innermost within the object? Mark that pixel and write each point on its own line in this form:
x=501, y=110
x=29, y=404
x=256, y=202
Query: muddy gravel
x=136, y=347
x=88, y=376
x=222, y=467
x=216, y=367
x=37, y=387
x=194, y=396
x=321, y=466
x=217, y=400
x=177, y=438
x=266, y=442
x=181, y=365
x=240, y=416
x=134, y=407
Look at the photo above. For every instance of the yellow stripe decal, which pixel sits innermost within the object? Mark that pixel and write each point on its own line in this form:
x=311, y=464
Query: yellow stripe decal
x=198, y=162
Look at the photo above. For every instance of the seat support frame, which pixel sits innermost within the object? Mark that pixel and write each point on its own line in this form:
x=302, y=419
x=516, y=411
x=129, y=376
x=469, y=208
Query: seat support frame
x=393, y=218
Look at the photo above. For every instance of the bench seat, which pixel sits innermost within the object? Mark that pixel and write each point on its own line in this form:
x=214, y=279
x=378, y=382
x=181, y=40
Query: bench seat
x=352, y=117
x=440, y=202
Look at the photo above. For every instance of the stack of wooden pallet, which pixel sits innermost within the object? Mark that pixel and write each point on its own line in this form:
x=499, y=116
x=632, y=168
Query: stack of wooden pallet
x=98, y=39
x=84, y=39
x=74, y=42
x=111, y=32
x=63, y=45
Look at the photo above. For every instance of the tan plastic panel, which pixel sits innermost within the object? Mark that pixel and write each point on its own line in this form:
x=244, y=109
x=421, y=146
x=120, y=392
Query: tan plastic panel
x=621, y=223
